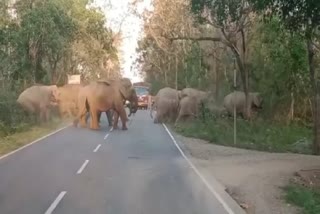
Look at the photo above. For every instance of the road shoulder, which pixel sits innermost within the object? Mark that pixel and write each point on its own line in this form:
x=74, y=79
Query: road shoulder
x=254, y=179
x=18, y=141
x=218, y=187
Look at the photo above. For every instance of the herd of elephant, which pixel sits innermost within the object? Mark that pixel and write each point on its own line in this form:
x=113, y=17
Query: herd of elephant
x=79, y=101
x=174, y=105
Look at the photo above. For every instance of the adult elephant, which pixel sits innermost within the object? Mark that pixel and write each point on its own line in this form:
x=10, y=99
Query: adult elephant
x=101, y=96
x=238, y=99
x=38, y=99
x=166, y=103
x=109, y=115
x=67, y=99
x=190, y=101
x=192, y=92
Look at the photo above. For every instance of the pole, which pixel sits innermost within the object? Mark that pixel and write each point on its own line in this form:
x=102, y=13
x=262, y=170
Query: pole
x=234, y=106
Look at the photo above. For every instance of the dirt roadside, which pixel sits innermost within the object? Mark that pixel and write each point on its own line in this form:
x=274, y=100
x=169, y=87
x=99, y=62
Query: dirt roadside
x=254, y=179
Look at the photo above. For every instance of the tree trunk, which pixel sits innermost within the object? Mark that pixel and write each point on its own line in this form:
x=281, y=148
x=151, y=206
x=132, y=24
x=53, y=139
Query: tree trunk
x=316, y=98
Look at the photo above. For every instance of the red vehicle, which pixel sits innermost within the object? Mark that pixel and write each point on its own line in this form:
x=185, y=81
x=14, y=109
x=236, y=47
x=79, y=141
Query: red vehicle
x=142, y=91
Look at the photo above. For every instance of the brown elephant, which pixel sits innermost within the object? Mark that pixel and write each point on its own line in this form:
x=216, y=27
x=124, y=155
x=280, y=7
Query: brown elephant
x=166, y=103
x=67, y=98
x=101, y=96
x=38, y=99
x=238, y=99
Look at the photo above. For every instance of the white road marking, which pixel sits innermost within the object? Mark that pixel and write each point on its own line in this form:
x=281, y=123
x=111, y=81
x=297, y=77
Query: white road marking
x=225, y=206
x=82, y=167
x=33, y=142
x=55, y=203
x=105, y=137
x=97, y=148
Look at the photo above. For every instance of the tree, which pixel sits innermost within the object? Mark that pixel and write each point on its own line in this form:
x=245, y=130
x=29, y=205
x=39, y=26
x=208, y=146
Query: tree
x=302, y=17
x=231, y=21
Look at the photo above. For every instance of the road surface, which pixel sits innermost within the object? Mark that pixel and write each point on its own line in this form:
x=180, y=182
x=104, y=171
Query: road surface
x=80, y=171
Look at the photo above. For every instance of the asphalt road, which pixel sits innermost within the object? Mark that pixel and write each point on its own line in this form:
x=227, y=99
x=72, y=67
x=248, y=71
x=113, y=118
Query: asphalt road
x=79, y=171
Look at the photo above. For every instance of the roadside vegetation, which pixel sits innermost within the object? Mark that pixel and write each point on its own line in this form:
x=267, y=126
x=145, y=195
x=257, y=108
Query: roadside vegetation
x=256, y=135
x=268, y=52
x=307, y=198
x=26, y=134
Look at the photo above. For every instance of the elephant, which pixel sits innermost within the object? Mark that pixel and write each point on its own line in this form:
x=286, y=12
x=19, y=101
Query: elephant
x=38, y=99
x=188, y=106
x=67, y=98
x=109, y=115
x=191, y=92
x=103, y=95
x=238, y=99
x=166, y=103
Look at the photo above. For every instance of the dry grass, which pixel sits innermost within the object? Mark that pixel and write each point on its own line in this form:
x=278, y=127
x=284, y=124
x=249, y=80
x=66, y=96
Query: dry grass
x=17, y=140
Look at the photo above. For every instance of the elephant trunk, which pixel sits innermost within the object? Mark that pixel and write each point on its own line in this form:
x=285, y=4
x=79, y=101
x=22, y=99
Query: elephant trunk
x=133, y=108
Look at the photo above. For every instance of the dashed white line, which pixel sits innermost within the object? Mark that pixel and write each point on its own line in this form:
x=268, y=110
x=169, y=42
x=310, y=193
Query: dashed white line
x=105, y=137
x=212, y=190
x=83, y=166
x=55, y=203
x=97, y=148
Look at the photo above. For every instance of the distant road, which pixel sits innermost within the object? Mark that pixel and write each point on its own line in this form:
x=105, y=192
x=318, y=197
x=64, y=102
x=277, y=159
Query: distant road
x=79, y=171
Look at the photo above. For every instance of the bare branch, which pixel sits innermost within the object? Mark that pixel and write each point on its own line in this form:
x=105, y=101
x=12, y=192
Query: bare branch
x=213, y=39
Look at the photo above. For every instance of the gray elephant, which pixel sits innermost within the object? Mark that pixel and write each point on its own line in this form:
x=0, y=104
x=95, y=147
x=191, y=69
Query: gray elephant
x=39, y=99
x=192, y=92
x=188, y=107
x=166, y=104
x=238, y=99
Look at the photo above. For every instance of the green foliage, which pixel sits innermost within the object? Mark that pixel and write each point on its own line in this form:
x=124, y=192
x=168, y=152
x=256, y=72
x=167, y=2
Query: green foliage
x=46, y=41
x=280, y=67
x=306, y=198
x=257, y=135
x=299, y=16
x=194, y=72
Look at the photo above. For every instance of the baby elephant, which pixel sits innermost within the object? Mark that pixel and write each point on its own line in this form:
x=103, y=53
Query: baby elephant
x=238, y=99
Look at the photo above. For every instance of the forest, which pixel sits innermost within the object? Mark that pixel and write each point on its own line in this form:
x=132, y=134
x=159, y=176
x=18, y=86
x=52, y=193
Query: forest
x=267, y=45
x=41, y=42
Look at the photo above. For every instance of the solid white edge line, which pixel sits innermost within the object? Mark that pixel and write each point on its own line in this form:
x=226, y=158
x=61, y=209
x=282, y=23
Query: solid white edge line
x=82, y=167
x=55, y=203
x=33, y=142
x=97, y=148
x=225, y=206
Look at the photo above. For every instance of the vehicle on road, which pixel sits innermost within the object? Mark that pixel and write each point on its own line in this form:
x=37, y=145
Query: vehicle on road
x=143, y=96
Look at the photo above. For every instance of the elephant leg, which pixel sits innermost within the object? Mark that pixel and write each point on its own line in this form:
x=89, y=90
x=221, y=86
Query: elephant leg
x=124, y=118
x=115, y=120
x=47, y=115
x=109, y=116
x=94, y=119
x=99, y=116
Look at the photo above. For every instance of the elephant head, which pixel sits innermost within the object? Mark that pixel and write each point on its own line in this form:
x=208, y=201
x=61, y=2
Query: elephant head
x=53, y=90
x=256, y=100
x=128, y=93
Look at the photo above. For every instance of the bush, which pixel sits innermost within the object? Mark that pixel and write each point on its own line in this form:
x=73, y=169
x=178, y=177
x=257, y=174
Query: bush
x=257, y=135
x=12, y=116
